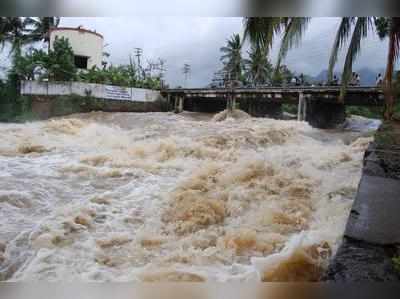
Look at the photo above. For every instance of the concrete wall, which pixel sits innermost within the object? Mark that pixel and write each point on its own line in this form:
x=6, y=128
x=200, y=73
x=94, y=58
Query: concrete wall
x=46, y=106
x=83, y=42
x=100, y=91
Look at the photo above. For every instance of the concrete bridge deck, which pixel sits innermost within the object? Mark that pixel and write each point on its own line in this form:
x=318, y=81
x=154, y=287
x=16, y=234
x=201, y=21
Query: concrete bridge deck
x=319, y=105
x=356, y=95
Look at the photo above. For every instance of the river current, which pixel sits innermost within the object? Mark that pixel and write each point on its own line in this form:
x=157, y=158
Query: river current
x=166, y=197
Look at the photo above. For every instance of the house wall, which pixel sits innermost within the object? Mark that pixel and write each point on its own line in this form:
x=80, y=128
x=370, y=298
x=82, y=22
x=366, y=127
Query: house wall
x=83, y=43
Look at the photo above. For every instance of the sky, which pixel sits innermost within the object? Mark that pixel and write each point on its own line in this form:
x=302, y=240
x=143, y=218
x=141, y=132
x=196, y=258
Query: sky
x=197, y=40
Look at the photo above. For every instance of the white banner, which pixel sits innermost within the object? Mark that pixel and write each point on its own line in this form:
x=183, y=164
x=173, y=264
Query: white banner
x=100, y=91
x=117, y=93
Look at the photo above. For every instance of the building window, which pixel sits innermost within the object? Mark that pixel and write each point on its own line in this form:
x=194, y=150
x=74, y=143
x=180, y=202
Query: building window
x=81, y=62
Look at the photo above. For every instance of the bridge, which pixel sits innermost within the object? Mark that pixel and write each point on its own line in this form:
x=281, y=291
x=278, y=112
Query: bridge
x=318, y=105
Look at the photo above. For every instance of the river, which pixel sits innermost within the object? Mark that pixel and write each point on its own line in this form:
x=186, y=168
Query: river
x=166, y=197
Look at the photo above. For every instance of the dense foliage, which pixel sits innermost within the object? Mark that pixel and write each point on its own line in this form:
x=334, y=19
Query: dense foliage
x=258, y=69
x=232, y=58
x=58, y=64
x=261, y=32
x=122, y=75
x=255, y=70
x=20, y=35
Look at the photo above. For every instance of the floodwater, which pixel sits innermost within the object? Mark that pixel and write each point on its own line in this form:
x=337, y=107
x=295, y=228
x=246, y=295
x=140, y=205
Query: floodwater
x=165, y=197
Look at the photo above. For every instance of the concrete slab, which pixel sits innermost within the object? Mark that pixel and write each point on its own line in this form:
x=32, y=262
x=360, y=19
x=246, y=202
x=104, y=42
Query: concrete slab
x=375, y=215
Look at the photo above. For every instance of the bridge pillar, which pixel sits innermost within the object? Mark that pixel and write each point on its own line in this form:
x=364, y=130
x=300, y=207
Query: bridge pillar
x=179, y=104
x=169, y=102
x=325, y=115
x=302, y=108
x=230, y=102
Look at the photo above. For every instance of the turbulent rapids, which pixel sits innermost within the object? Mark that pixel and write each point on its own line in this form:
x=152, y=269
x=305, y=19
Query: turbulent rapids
x=165, y=197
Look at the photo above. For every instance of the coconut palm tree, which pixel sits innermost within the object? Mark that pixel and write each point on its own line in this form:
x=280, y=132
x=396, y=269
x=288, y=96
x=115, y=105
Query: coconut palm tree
x=262, y=31
x=232, y=57
x=361, y=27
x=393, y=32
x=13, y=31
x=40, y=27
x=18, y=31
x=258, y=67
x=385, y=27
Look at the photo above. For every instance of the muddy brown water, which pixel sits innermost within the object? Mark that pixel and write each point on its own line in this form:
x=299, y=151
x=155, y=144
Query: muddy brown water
x=166, y=197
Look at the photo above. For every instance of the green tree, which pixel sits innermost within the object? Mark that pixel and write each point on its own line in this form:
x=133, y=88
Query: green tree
x=261, y=33
x=258, y=67
x=39, y=28
x=232, y=58
x=13, y=31
x=121, y=75
x=357, y=28
x=26, y=66
x=59, y=63
x=393, y=32
x=360, y=27
x=282, y=76
x=16, y=32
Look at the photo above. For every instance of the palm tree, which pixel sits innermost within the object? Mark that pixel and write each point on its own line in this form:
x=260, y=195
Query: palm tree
x=13, y=31
x=361, y=26
x=393, y=32
x=232, y=57
x=342, y=35
x=41, y=27
x=258, y=67
x=385, y=27
x=262, y=31
x=17, y=32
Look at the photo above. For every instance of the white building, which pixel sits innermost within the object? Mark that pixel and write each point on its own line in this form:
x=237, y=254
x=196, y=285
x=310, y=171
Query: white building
x=87, y=45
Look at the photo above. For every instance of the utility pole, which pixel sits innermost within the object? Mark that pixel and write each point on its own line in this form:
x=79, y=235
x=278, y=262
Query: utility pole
x=162, y=69
x=186, y=71
x=138, y=54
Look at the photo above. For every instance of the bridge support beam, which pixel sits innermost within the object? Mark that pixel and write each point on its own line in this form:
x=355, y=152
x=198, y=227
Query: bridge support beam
x=169, y=102
x=302, y=108
x=230, y=102
x=179, y=104
x=325, y=115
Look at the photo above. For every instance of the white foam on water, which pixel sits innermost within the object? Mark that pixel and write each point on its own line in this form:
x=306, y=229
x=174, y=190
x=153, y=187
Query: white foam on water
x=165, y=197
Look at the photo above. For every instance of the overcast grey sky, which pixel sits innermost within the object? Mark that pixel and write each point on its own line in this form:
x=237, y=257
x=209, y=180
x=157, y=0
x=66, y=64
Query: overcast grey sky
x=196, y=41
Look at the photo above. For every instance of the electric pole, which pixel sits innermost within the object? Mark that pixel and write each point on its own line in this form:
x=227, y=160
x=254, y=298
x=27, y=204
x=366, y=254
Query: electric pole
x=138, y=54
x=186, y=72
x=162, y=69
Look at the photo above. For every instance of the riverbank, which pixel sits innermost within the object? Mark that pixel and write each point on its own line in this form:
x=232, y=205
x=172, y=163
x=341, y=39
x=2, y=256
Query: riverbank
x=372, y=236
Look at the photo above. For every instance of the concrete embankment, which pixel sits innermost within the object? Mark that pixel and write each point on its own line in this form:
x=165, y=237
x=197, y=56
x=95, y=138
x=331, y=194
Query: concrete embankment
x=372, y=235
x=47, y=99
x=44, y=107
